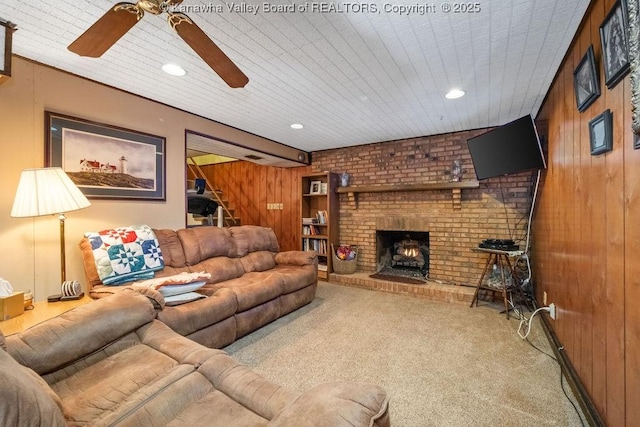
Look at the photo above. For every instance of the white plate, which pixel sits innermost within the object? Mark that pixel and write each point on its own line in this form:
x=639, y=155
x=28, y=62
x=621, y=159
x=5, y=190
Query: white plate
x=170, y=290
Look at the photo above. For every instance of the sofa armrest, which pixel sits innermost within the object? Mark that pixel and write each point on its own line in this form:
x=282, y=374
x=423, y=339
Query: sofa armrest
x=297, y=258
x=337, y=404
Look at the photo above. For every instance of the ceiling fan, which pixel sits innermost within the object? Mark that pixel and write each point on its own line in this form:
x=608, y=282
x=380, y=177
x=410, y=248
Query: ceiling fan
x=107, y=30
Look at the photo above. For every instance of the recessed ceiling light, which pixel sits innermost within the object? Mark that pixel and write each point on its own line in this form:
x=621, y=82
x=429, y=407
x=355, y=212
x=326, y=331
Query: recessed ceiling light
x=454, y=94
x=296, y=126
x=174, y=70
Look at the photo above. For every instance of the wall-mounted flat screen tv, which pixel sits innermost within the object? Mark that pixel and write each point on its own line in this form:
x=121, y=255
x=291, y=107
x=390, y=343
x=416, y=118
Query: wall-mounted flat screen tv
x=507, y=149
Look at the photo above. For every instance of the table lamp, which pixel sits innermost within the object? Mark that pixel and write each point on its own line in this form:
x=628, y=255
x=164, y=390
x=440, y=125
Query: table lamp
x=48, y=191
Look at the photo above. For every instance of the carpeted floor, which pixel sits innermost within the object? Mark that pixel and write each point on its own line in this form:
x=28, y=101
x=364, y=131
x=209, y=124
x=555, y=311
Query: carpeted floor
x=442, y=364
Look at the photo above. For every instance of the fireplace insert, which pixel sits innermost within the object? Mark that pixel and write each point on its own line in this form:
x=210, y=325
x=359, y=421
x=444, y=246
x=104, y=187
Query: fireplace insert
x=403, y=253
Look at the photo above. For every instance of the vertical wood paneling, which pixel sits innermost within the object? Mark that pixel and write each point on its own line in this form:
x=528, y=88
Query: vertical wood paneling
x=632, y=284
x=249, y=187
x=261, y=196
x=600, y=189
x=291, y=209
x=586, y=237
x=613, y=367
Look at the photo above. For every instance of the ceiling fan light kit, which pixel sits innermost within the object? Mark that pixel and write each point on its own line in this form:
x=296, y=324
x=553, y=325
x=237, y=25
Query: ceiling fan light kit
x=118, y=20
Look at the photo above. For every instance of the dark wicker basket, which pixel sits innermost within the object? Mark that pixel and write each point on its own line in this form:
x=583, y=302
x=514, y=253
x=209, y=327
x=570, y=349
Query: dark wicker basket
x=341, y=266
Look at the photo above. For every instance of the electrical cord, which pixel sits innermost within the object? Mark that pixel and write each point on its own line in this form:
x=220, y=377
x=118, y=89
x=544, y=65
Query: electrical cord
x=529, y=321
x=533, y=202
x=575, y=408
x=564, y=391
x=523, y=320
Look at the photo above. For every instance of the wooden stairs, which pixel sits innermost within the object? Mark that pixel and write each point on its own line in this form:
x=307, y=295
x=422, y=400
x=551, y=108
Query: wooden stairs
x=229, y=215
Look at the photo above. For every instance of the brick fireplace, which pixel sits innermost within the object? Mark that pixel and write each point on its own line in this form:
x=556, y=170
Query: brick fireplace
x=498, y=208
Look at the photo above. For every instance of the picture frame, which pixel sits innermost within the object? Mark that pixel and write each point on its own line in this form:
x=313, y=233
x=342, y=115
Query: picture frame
x=6, y=43
x=324, y=188
x=315, y=187
x=601, y=133
x=614, y=38
x=586, y=83
x=633, y=12
x=105, y=161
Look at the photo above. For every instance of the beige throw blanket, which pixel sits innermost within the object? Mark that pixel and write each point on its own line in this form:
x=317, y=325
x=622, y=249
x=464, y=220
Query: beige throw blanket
x=183, y=278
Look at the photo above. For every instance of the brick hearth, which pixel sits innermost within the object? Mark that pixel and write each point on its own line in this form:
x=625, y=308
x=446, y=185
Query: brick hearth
x=432, y=291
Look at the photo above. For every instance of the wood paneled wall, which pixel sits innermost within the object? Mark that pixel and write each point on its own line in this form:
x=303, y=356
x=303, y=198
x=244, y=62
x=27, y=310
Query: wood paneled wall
x=586, y=235
x=250, y=187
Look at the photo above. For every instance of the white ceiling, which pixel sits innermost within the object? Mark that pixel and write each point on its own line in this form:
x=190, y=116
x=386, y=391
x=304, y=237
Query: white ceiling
x=350, y=77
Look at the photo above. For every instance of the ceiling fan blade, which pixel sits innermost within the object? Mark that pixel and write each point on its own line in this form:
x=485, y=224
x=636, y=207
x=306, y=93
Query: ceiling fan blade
x=207, y=50
x=106, y=31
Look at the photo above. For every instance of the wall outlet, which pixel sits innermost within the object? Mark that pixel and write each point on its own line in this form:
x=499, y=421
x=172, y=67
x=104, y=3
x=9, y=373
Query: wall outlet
x=552, y=311
x=544, y=298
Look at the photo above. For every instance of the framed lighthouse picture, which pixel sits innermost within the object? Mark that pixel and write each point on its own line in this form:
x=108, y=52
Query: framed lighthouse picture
x=104, y=161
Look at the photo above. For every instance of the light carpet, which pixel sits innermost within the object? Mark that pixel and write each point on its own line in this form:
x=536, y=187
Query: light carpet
x=441, y=364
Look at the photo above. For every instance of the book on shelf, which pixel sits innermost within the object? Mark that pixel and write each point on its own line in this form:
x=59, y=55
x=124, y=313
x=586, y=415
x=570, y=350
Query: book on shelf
x=322, y=216
x=318, y=245
x=309, y=220
x=322, y=267
x=310, y=230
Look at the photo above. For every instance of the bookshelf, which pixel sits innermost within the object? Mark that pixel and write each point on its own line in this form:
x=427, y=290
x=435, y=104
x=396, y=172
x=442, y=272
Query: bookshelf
x=319, y=217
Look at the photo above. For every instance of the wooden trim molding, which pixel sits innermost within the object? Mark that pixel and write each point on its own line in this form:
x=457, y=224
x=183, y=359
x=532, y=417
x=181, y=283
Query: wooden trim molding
x=588, y=408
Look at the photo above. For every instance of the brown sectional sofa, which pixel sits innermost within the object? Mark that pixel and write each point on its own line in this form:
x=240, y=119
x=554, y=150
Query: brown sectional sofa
x=252, y=283
x=110, y=362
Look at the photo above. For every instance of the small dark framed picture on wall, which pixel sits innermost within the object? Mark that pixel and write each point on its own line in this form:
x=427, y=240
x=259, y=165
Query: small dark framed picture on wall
x=614, y=38
x=586, y=83
x=601, y=133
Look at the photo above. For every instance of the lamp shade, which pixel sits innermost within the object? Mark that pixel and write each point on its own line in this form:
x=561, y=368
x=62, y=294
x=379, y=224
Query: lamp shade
x=46, y=191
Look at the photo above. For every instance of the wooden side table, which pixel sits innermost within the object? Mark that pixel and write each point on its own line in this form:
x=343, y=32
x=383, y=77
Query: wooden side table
x=502, y=260
x=41, y=311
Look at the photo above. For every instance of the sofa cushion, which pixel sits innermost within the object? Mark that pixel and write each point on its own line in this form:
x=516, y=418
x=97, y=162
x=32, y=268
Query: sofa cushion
x=253, y=238
x=118, y=384
x=171, y=248
x=200, y=243
x=253, y=289
x=53, y=344
x=188, y=318
x=221, y=268
x=25, y=398
x=294, y=278
x=258, y=261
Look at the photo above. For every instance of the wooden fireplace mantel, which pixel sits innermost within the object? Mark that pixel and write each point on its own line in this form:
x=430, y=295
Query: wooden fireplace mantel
x=456, y=188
